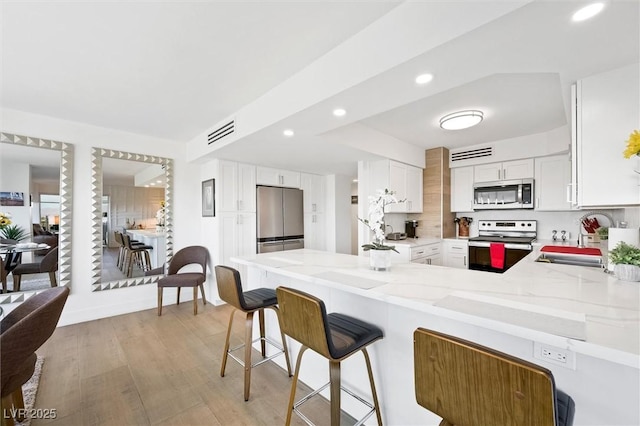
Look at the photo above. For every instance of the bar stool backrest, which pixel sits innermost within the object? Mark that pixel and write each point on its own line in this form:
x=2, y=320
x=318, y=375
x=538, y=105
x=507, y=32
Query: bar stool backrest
x=118, y=237
x=230, y=287
x=304, y=318
x=469, y=384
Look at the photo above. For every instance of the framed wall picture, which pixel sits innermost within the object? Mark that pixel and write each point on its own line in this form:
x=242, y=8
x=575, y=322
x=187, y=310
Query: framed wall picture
x=15, y=199
x=208, y=198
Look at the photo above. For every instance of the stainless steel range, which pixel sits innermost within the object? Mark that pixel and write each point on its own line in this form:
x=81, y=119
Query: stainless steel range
x=506, y=240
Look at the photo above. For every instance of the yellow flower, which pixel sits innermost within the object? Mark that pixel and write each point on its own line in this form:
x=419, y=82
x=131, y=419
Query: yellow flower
x=633, y=145
x=5, y=219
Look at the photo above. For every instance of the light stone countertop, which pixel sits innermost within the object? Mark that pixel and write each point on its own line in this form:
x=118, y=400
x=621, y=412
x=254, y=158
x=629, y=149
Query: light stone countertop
x=413, y=242
x=608, y=309
x=146, y=232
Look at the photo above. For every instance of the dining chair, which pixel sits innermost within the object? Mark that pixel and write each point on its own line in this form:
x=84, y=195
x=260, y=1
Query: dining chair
x=10, y=260
x=469, y=384
x=22, y=332
x=192, y=255
x=48, y=264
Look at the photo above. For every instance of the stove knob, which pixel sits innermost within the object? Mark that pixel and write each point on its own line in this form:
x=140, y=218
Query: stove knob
x=522, y=224
x=528, y=224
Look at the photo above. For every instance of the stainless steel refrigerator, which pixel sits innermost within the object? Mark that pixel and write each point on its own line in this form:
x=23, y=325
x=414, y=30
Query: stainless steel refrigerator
x=280, y=219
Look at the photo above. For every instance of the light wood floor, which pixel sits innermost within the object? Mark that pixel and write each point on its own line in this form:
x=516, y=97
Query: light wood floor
x=140, y=369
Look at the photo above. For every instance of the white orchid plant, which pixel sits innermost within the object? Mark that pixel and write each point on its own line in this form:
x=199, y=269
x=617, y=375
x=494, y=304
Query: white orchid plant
x=375, y=220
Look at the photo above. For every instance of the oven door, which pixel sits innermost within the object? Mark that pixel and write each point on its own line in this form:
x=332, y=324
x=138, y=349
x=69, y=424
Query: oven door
x=480, y=256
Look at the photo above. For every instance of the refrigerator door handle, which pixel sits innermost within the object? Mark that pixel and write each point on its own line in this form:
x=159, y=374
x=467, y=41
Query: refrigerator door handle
x=276, y=243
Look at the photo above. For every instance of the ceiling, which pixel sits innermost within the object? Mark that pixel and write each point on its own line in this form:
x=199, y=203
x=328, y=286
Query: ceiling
x=174, y=70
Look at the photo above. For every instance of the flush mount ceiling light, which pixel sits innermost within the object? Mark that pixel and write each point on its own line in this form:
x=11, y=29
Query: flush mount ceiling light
x=587, y=12
x=288, y=133
x=339, y=112
x=461, y=119
x=424, y=79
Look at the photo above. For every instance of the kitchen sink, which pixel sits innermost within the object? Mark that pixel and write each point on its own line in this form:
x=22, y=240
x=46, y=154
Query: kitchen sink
x=577, y=260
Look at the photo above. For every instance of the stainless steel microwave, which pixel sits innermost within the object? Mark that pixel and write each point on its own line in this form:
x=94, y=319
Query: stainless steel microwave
x=504, y=194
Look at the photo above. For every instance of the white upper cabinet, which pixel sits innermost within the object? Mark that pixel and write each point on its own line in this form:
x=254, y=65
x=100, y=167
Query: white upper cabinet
x=313, y=192
x=517, y=169
x=236, y=186
x=552, y=182
x=414, y=189
x=607, y=110
x=278, y=177
x=406, y=181
x=462, y=189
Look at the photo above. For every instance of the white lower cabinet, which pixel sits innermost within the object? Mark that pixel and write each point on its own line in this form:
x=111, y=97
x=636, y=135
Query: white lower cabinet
x=456, y=253
x=238, y=236
x=428, y=254
x=314, y=231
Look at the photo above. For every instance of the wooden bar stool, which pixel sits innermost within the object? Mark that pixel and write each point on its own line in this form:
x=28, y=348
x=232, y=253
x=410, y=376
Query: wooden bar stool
x=138, y=253
x=469, y=384
x=249, y=302
x=334, y=336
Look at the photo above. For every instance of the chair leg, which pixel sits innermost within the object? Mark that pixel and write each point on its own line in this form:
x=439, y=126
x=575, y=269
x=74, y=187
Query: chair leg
x=374, y=394
x=129, y=262
x=52, y=279
x=204, y=301
x=160, y=300
x=178, y=299
x=195, y=300
x=284, y=341
x=16, y=282
x=294, y=385
x=334, y=380
x=147, y=261
x=263, y=343
x=6, y=407
x=226, y=345
x=18, y=402
x=248, y=334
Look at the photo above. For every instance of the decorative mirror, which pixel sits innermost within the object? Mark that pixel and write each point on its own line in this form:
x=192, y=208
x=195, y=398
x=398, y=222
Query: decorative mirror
x=145, y=215
x=59, y=223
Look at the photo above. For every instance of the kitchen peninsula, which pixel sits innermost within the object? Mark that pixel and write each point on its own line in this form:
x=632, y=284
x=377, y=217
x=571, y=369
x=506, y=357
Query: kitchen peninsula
x=589, y=315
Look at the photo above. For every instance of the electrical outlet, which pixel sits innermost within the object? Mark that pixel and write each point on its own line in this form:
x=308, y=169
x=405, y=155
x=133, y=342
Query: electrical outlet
x=554, y=355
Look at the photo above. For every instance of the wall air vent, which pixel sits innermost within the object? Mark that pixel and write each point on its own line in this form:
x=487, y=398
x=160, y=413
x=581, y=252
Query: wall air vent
x=221, y=132
x=471, y=154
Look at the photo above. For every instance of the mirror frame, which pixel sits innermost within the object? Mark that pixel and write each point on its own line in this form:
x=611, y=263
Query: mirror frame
x=66, y=208
x=97, y=154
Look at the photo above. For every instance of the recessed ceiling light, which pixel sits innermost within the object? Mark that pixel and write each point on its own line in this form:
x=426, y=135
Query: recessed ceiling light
x=158, y=181
x=461, y=119
x=152, y=184
x=146, y=186
x=424, y=78
x=339, y=112
x=355, y=180
x=288, y=133
x=587, y=12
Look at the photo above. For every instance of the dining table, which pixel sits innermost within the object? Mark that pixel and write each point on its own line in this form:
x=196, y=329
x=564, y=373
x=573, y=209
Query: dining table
x=11, y=254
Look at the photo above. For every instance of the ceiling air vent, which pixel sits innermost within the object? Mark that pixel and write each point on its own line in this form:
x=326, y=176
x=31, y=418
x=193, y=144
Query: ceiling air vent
x=221, y=132
x=471, y=153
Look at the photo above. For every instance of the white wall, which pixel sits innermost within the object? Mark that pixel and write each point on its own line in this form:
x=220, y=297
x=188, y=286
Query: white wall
x=83, y=304
x=338, y=213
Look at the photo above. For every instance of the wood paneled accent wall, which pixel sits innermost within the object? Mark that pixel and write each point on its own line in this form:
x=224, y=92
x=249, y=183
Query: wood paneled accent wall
x=436, y=219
